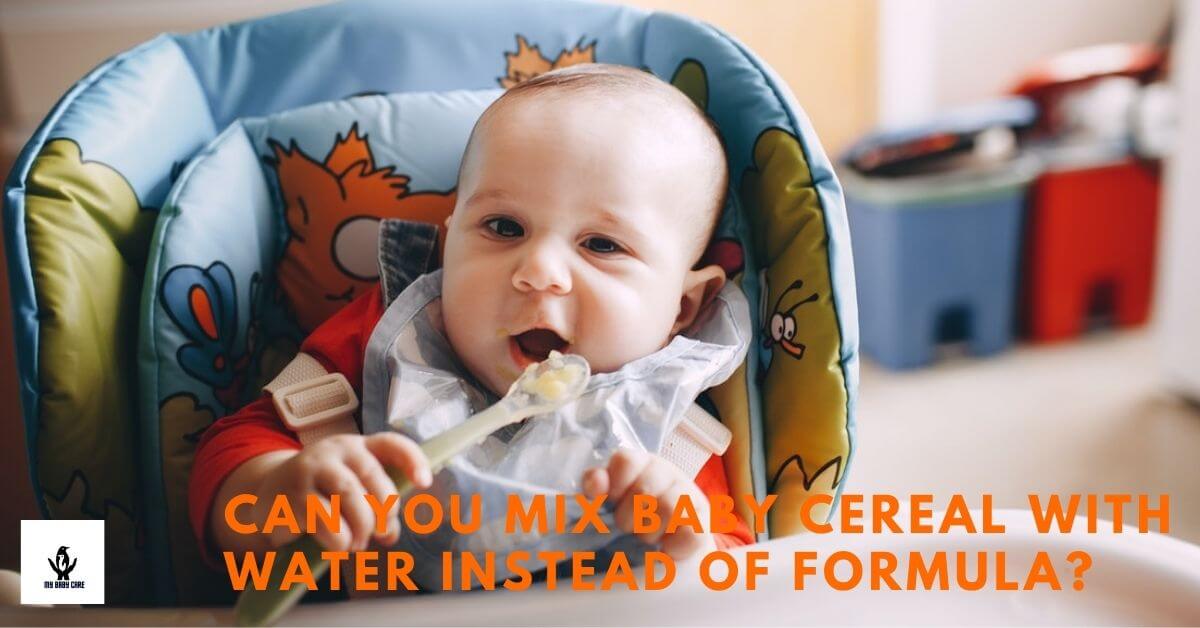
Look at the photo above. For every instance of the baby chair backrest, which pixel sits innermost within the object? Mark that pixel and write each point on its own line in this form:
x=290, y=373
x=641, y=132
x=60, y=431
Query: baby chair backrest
x=229, y=288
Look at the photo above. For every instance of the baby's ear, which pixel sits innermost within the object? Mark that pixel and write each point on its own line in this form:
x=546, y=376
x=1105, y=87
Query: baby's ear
x=699, y=287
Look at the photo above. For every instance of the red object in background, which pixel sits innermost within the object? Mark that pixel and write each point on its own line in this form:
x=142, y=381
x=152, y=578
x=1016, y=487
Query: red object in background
x=1091, y=234
x=1051, y=80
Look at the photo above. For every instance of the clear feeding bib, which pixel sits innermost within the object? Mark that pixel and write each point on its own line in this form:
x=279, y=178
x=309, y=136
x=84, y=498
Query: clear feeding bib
x=413, y=383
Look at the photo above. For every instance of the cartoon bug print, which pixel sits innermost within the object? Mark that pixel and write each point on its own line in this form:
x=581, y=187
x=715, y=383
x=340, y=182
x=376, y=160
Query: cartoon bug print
x=781, y=329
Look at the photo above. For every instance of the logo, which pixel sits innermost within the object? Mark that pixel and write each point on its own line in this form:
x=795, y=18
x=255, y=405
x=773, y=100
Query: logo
x=62, y=565
x=62, y=561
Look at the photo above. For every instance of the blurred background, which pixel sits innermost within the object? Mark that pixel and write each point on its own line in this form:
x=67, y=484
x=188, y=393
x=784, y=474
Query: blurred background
x=1016, y=174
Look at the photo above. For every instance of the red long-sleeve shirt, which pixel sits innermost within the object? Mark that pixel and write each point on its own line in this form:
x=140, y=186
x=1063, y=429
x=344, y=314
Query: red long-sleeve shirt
x=339, y=345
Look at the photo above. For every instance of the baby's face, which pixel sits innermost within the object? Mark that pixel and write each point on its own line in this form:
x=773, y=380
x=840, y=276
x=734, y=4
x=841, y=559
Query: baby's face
x=575, y=230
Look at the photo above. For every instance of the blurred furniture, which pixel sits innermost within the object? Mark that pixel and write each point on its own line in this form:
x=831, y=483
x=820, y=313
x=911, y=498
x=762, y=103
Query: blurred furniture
x=1093, y=213
x=1090, y=247
x=935, y=213
x=937, y=270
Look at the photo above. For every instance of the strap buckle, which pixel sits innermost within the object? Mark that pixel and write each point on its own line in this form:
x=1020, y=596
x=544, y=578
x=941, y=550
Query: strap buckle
x=706, y=430
x=315, y=402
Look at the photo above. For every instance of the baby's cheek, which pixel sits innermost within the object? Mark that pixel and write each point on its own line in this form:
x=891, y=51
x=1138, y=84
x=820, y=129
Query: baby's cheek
x=623, y=326
x=470, y=318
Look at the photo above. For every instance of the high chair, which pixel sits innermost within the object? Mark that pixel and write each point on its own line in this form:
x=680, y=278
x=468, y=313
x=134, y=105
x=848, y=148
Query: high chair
x=160, y=273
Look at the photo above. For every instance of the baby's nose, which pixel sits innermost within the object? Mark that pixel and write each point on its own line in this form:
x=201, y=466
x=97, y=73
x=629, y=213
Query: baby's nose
x=542, y=269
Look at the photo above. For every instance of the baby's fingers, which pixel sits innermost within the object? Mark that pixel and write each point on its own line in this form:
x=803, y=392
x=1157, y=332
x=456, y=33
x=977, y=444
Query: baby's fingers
x=342, y=540
x=399, y=452
x=668, y=500
x=340, y=480
x=595, y=482
x=381, y=488
x=623, y=468
x=685, y=541
x=329, y=539
x=654, y=481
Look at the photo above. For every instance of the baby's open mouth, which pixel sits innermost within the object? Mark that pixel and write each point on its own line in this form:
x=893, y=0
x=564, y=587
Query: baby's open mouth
x=535, y=345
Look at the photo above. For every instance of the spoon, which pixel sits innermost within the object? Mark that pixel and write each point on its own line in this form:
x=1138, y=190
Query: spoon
x=544, y=387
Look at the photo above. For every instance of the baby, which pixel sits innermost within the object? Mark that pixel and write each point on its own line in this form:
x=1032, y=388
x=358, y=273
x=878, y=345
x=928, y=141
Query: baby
x=586, y=197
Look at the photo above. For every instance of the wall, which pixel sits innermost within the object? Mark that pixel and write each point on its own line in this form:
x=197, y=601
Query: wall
x=1179, y=257
x=934, y=53
x=836, y=90
x=824, y=50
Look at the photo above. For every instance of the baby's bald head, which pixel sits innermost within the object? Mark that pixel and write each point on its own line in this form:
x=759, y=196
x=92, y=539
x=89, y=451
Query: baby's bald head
x=659, y=113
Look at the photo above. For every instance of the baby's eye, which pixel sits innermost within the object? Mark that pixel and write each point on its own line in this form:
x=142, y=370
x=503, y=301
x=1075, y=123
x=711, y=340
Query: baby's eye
x=505, y=227
x=601, y=245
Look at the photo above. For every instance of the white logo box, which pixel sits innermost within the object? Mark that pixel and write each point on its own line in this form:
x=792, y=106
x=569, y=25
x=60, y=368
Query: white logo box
x=74, y=547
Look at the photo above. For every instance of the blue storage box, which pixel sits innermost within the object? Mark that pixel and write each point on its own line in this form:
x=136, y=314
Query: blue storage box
x=938, y=252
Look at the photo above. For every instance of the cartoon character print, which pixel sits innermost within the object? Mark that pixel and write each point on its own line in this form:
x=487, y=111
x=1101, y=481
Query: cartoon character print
x=333, y=208
x=805, y=397
x=807, y=479
x=202, y=302
x=528, y=62
x=778, y=324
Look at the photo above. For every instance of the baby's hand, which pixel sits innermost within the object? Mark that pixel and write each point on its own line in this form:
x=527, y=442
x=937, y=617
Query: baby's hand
x=349, y=465
x=631, y=473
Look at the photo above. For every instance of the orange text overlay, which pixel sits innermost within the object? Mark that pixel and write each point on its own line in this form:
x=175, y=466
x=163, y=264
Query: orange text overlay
x=918, y=514
x=716, y=571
